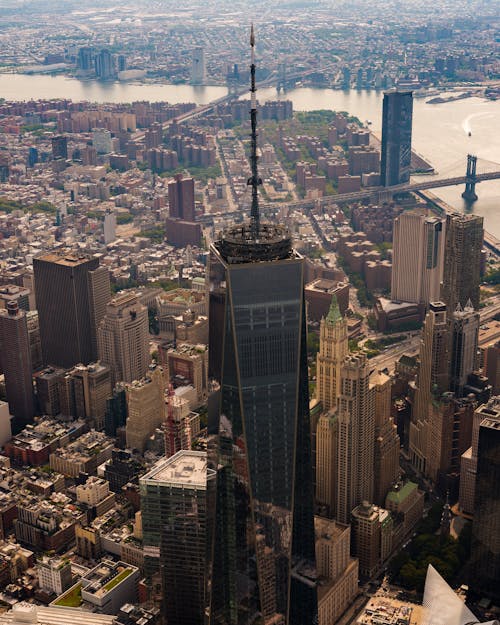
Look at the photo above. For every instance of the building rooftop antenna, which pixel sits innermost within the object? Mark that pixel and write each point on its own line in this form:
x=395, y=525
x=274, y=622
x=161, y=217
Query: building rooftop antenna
x=254, y=181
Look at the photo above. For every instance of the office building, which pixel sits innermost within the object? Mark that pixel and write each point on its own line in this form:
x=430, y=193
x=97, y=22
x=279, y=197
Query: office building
x=122, y=338
x=326, y=463
x=464, y=353
x=181, y=198
x=259, y=363
x=91, y=387
x=417, y=258
x=182, y=426
x=188, y=365
x=59, y=147
x=356, y=436
x=198, y=67
x=70, y=294
x=462, y=260
x=432, y=379
x=177, y=499
x=397, y=115
x=102, y=140
x=15, y=356
x=145, y=408
x=386, y=468
x=371, y=537
x=468, y=464
x=35, y=340
x=333, y=347
x=337, y=570
x=485, y=548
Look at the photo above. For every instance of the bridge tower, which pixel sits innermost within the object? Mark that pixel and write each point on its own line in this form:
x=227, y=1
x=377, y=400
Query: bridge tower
x=470, y=179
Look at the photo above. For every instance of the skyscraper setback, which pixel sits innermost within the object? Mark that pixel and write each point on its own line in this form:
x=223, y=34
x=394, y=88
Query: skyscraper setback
x=265, y=552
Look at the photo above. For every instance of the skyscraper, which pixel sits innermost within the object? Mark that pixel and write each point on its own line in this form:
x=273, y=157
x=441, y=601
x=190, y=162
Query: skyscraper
x=177, y=509
x=333, y=346
x=265, y=553
x=198, y=67
x=433, y=377
x=122, y=338
x=417, y=261
x=181, y=198
x=462, y=260
x=59, y=147
x=397, y=114
x=327, y=463
x=70, y=294
x=485, y=547
x=464, y=356
x=104, y=65
x=356, y=435
x=145, y=408
x=16, y=362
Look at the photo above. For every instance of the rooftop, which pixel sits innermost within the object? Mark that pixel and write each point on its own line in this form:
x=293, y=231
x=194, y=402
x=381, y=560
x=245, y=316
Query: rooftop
x=397, y=495
x=185, y=468
x=67, y=259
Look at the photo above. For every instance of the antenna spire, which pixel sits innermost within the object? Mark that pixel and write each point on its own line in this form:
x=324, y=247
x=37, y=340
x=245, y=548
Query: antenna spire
x=254, y=181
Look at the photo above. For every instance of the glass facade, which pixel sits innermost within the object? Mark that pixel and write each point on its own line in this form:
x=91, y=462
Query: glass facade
x=264, y=549
x=397, y=115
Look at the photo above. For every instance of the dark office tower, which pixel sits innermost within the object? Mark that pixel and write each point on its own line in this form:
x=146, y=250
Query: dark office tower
x=122, y=63
x=99, y=287
x=59, y=147
x=486, y=524
x=16, y=362
x=397, y=115
x=264, y=556
x=70, y=293
x=177, y=505
x=462, y=260
x=104, y=65
x=181, y=198
x=85, y=60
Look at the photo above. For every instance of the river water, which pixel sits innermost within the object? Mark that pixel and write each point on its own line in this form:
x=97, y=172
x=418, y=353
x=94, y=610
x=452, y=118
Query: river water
x=440, y=131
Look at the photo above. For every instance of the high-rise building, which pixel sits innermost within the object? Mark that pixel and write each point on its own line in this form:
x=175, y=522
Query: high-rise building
x=433, y=378
x=386, y=468
x=145, y=408
x=397, y=115
x=464, y=355
x=92, y=387
x=122, y=338
x=70, y=295
x=337, y=570
x=181, y=198
x=104, y=65
x=198, y=67
x=462, y=260
x=264, y=557
x=371, y=537
x=333, y=347
x=85, y=59
x=109, y=227
x=177, y=503
x=356, y=436
x=485, y=549
x=16, y=363
x=417, y=259
x=59, y=147
x=468, y=464
x=326, y=463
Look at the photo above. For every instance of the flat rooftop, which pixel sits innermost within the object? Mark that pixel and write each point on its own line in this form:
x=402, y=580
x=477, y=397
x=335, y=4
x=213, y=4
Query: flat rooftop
x=68, y=259
x=185, y=468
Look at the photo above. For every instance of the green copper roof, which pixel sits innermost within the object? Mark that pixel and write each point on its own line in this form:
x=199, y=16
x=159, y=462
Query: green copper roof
x=400, y=495
x=334, y=312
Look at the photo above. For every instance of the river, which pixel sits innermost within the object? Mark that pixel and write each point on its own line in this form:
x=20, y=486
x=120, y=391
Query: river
x=440, y=131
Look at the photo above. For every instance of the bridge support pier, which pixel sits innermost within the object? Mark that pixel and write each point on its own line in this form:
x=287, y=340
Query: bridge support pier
x=470, y=179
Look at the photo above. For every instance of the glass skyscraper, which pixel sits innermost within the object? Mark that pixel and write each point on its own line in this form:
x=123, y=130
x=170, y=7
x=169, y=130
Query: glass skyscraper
x=397, y=115
x=264, y=555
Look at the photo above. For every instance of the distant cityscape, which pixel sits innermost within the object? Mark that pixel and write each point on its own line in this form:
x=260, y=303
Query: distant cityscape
x=249, y=358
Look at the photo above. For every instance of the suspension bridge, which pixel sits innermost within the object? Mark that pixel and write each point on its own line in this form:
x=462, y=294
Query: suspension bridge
x=487, y=170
